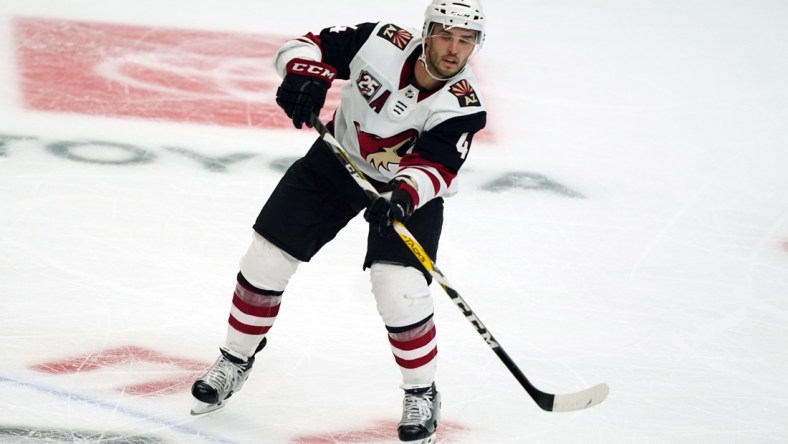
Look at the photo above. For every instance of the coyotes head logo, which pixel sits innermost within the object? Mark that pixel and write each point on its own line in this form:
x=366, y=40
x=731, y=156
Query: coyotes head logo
x=383, y=152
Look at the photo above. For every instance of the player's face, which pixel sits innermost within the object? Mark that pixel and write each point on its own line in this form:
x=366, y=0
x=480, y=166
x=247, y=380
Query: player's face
x=448, y=49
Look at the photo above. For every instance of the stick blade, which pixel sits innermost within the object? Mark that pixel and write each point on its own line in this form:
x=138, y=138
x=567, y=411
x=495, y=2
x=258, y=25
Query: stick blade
x=581, y=400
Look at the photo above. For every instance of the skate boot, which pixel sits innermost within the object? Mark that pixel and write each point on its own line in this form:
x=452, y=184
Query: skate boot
x=420, y=414
x=225, y=377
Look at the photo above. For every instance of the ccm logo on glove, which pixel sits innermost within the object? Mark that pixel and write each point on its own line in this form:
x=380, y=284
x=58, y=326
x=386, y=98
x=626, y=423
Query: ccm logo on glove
x=314, y=69
x=303, y=90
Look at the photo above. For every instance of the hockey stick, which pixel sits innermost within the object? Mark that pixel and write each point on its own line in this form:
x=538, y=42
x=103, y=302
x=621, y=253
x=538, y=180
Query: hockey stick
x=547, y=401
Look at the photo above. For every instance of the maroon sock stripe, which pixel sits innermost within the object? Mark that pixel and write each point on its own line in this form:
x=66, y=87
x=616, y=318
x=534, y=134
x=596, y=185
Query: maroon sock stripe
x=264, y=311
x=246, y=328
x=418, y=362
x=413, y=344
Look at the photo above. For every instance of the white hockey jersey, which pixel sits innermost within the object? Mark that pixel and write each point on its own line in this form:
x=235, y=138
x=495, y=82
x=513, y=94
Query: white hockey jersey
x=390, y=127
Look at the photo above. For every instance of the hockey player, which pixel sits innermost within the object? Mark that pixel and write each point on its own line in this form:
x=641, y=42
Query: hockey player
x=407, y=117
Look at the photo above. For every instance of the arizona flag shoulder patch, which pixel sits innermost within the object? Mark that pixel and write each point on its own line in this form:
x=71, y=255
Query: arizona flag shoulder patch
x=395, y=35
x=465, y=94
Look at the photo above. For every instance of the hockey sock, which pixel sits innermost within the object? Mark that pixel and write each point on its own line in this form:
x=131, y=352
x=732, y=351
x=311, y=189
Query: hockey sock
x=415, y=350
x=252, y=314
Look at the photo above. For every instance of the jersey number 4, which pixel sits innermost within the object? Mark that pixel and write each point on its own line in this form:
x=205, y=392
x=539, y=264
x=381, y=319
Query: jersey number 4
x=463, y=146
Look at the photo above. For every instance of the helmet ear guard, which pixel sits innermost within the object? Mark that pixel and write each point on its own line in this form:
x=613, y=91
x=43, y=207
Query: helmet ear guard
x=467, y=14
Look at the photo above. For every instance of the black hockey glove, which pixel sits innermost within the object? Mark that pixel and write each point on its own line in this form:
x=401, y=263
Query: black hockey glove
x=303, y=90
x=394, y=205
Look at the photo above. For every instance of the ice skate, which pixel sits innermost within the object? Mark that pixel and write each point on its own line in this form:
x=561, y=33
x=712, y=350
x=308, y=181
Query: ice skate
x=420, y=414
x=222, y=380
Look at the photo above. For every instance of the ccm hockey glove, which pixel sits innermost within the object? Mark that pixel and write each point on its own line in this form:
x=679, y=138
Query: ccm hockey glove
x=394, y=205
x=303, y=90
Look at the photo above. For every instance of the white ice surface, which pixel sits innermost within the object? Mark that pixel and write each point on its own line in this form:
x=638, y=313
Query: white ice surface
x=668, y=279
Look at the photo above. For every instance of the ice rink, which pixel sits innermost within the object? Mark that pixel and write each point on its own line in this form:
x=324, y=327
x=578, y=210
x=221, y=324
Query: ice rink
x=623, y=219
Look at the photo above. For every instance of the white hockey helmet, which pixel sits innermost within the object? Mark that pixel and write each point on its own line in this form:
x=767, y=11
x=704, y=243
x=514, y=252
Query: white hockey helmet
x=467, y=14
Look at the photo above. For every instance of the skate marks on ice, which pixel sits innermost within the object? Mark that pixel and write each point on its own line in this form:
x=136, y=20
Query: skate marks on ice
x=16, y=433
x=383, y=431
x=25, y=434
x=169, y=375
x=153, y=374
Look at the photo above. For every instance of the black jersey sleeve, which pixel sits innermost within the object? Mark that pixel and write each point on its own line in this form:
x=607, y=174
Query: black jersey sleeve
x=449, y=142
x=340, y=44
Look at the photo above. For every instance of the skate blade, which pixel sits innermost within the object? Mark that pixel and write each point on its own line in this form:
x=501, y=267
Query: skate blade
x=201, y=408
x=427, y=440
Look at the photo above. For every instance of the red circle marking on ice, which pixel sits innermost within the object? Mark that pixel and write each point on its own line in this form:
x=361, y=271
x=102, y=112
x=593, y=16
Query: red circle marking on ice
x=158, y=73
x=178, y=373
x=127, y=71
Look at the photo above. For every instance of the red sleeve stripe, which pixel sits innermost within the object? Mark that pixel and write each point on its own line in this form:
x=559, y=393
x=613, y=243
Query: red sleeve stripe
x=434, y=173
x=435, y=180
x=311, y=38
x=414, y=195
x=416, y=160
